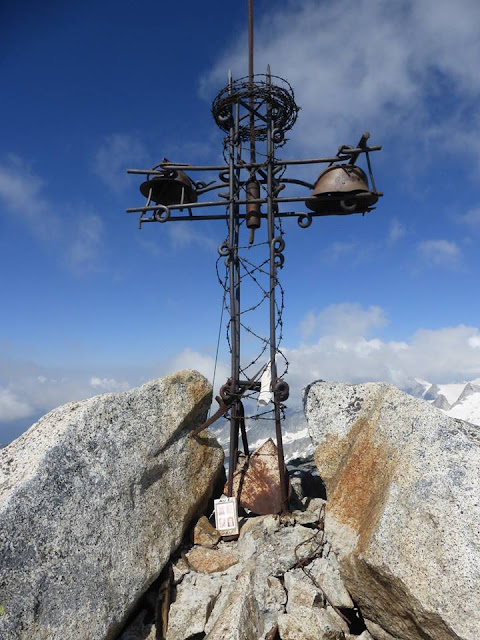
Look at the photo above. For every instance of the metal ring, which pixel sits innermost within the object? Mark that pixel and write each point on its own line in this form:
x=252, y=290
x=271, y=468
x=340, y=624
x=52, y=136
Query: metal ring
x=275, y=112
x=349, y=208
x=278, y=244
x=278, y=260
x=162, y=214
x=282, y=390
x=224, y=249
x=199, y=185
x=305, y=220
x=278, y=136
x=226, y=391
x=224, y=176
x=224, y=117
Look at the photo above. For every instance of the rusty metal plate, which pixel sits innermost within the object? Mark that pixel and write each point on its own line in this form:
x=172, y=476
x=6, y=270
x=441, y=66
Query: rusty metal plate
x=257, y=480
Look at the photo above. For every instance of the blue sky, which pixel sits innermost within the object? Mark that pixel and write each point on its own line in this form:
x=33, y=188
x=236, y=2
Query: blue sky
x=92, y=304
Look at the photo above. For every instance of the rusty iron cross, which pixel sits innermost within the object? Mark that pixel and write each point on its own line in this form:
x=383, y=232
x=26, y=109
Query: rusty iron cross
x=255, y=112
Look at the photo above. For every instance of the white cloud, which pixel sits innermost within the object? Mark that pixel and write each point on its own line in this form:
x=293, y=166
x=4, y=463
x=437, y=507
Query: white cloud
x=76, y=237
x=349, y=355
x=344, y=320
x=343, y=346
x=205, y=364
x=12, y=407
x=82, y=253
x=117, y=153
x=375, y=65
x=108, y=384
x=308, y=324
x=19, y=187
x=474, y=342
x=22, y=193
x=440, y=253
x=183, y=235
x=351, y=252
x=340, y=250
x=471, y=218
x=396, y=231
x=30, y=389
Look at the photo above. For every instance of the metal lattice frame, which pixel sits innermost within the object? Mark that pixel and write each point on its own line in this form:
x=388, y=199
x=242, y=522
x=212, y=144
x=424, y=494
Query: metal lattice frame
x=255, y=113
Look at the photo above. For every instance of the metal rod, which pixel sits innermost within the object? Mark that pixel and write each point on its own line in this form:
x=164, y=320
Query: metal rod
x=242, y=216
x=182, y=167
x=233, y=283
x=236, y=264
x=250, y=83
x=273, y=284
x=277, y=163
x=219, y=203
x=337, y=158
x=243, y=429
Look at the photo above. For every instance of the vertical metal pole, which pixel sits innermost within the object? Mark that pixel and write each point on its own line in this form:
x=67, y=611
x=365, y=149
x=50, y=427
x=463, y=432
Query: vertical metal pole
x=234, y=290
x=273, y=283
x=250, y=82
x=253, y=155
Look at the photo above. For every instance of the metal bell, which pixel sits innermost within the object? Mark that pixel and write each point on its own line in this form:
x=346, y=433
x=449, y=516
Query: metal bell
x=341, y=189
x=172, y=187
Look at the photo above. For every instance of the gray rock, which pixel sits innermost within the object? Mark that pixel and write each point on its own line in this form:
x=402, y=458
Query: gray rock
x=139, y=629
x=326, y=574
x=238, y=617
x=363, y=636
x=301, y=593
x=196, y=597
x=93, y=500
x=205, y=534
x=311, y=623
x=305, y=517
x=245, y=600
x=316, y=505
x=402, y=482
x=376, y=632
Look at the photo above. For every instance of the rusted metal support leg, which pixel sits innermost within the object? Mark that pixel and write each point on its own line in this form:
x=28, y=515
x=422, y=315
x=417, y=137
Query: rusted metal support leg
x=233, y=450
x=273, y=284
x=281, y=458
x=241, y=419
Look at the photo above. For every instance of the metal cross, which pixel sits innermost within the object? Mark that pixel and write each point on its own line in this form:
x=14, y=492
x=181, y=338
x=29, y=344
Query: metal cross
x=255, y=112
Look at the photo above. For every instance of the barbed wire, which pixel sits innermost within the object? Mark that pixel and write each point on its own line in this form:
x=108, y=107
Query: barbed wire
x=256, y=273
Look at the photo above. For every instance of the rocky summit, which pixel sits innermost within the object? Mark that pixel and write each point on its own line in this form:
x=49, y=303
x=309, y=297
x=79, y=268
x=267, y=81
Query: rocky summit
x=107, y=529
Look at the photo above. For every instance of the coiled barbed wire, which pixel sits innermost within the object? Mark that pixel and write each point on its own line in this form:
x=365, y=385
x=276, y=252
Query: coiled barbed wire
x=279, y=97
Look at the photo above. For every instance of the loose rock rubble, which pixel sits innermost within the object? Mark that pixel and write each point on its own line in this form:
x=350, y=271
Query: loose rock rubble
x=255, y=588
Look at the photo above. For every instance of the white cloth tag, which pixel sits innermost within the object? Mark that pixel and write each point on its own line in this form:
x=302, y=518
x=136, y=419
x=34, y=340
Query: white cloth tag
x=265, y=396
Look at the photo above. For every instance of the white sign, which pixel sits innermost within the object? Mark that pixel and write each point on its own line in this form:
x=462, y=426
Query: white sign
x=226, y=516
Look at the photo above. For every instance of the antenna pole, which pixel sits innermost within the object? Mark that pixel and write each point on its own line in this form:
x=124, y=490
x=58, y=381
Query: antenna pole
x=250, y=82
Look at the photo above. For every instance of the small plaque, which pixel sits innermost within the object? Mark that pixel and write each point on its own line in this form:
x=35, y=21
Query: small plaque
x=226, y=516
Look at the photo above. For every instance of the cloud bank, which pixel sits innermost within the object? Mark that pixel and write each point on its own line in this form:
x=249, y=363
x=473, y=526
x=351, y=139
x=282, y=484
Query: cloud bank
x=341, y=343
x=401, y=69
x=343, y=347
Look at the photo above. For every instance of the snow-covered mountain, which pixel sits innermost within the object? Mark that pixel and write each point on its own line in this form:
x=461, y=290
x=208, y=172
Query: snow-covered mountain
x=458, y=400
x=296, y=441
